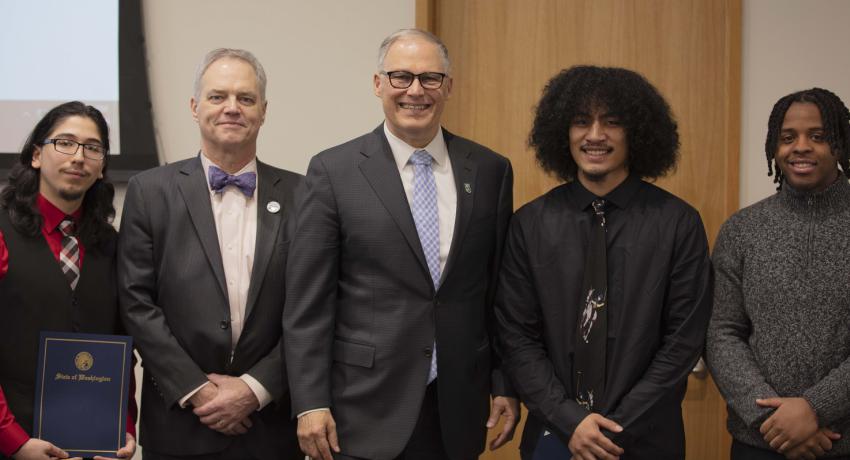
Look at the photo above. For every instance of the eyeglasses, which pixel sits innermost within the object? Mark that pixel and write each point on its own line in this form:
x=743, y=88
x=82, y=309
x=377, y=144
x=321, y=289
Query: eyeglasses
x=69, y=147
x=402, y=79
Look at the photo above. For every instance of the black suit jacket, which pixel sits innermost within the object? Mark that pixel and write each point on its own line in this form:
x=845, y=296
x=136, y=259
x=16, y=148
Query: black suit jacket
x=361, y=312
x=174, y=303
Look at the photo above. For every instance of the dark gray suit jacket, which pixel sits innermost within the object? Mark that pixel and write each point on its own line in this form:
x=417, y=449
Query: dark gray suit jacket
x=174, y=303
x=361, y=313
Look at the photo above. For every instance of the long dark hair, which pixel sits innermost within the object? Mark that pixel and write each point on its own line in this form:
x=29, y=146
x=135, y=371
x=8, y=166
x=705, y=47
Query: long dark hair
x=19, y=196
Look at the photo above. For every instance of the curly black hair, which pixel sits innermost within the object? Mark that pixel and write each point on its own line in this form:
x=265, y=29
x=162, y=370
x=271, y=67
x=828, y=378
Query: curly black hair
x=836, y=126
x=651, y=132
x=19, y=196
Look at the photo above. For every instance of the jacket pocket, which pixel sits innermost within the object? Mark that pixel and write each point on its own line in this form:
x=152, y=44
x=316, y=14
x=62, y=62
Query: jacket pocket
x=355, y=354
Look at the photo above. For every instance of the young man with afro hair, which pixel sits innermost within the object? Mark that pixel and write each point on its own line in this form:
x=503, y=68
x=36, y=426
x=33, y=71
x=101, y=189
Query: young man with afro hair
x=605, y=289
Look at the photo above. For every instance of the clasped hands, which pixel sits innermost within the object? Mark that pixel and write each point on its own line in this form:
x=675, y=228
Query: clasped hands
x=792, y=429
x=225, y=404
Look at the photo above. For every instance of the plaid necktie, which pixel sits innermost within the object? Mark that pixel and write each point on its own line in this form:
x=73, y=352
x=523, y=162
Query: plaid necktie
x=593, y=320
x=427, y=224
x=69, y=255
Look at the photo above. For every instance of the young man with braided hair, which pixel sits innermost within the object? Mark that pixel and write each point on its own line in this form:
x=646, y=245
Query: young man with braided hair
x=778, y=341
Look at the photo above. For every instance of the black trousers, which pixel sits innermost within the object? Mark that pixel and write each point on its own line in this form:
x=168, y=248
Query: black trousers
x=741, y=451
x=426, y=442
x=236, y=451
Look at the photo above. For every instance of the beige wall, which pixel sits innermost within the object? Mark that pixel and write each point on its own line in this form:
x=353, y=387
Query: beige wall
x=319, y=57
x=788, y=45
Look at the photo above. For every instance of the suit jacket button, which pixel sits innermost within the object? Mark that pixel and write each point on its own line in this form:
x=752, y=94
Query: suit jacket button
x=427, y=351
x=224, y=324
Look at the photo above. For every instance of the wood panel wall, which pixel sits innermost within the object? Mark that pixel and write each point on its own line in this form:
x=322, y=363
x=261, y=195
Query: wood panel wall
x=504, y=51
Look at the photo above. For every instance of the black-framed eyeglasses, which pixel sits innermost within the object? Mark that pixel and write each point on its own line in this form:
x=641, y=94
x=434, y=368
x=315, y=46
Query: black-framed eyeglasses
x=69, y=147
x=402, y=79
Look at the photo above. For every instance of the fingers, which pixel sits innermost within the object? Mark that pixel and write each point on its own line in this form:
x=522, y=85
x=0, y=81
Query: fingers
x=608, y=424
x=317, y=435
x=54, y=451
x=769, y=402
x=496, y=412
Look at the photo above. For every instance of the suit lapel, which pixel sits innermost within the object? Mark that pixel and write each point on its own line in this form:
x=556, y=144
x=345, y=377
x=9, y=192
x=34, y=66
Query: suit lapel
x=268, y=225
x=193, y=186
x=381, y=172
x=464, y=170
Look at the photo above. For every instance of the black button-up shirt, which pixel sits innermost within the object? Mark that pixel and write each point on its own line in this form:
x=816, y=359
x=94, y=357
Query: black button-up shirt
x=659, y=297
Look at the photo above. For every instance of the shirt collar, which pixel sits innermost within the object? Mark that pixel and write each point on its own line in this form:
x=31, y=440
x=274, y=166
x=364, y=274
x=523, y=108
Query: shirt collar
x=206, y=163
x=52, y=216
x=402, y=150
x=619, y=197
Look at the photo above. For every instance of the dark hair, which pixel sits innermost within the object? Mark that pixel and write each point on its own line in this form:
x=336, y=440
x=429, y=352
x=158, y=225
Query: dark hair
x=836, y=126
x=19, y=196
x=651, y=133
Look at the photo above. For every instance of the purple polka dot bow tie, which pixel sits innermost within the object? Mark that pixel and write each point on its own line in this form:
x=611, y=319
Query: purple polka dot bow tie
x=245, y=182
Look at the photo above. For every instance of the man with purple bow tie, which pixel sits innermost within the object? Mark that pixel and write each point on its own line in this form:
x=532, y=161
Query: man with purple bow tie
x=202, y=253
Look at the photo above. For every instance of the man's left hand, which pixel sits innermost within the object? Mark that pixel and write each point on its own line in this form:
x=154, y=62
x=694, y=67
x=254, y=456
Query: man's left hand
x=228, y=412
x=125, y=452
x=793, y=422
x=509, y=408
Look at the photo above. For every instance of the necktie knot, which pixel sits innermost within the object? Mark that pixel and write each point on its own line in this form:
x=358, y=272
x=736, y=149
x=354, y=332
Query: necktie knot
x=245, y=182
x=67, y=226
x=421, y=157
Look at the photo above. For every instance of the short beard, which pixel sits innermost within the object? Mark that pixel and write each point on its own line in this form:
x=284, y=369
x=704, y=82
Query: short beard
x=597, y=177
x=71, y=196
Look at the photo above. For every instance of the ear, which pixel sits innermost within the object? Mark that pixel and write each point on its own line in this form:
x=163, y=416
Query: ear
x=193, y=106
x=448, y=85
x=263, y=115
x=36, y=158
x=376, y=81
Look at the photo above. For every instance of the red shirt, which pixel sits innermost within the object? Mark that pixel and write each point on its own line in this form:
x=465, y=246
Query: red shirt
x=12, y=436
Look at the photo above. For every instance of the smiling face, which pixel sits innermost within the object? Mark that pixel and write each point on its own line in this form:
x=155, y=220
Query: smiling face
x=598, y=146
x=64, y=179
x=803, y=155
x=413, y=114
x=230, y=109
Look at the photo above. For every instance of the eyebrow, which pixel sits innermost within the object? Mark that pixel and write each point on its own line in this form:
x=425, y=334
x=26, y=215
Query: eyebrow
x=73, y=137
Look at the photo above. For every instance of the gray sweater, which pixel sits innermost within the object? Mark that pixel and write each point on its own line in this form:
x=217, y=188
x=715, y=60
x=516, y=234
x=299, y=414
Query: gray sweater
x=781, y=319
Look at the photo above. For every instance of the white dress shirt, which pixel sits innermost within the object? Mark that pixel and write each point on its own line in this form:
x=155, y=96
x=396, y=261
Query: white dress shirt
x=444, y=179
x=235, y=218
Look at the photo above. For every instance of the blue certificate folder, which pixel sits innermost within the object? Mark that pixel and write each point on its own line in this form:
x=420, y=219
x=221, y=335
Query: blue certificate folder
x=81, y=392
x=549, y=447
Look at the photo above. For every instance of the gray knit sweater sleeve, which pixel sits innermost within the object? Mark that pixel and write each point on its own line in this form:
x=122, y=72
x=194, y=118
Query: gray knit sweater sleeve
x=728, y=353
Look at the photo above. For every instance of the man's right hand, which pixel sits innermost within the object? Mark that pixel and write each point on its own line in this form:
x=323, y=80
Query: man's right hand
x=588, y=442
x=815, y=446
x=37, y=449
x=317, y=435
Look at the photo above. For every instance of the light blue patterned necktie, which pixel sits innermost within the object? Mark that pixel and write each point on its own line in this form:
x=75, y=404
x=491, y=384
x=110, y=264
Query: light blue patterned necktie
x=427, y=224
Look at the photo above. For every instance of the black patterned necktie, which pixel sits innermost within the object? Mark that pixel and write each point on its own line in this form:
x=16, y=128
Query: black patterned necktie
x=592, y=334
x=69, y=255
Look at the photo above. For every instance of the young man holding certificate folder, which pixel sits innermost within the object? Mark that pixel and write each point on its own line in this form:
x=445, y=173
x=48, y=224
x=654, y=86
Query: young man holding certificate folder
x=57, y=260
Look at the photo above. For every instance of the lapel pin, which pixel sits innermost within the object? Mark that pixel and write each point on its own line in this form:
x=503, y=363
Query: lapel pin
x=467, y=188
x=273, y=207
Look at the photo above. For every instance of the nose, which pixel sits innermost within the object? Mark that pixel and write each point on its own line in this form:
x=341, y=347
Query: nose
x=802, y=144
x=232, y=105
x=596, y=132
x=415, y=88
x=79, y=155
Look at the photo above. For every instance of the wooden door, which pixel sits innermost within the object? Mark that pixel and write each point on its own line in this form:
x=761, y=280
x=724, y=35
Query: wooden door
x=504, y=52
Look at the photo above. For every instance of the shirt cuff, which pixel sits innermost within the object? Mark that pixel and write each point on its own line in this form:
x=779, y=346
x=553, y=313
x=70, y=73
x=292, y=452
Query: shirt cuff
x=184, y=401
x=263, y=395
x=314, y=410
x=12, y=437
